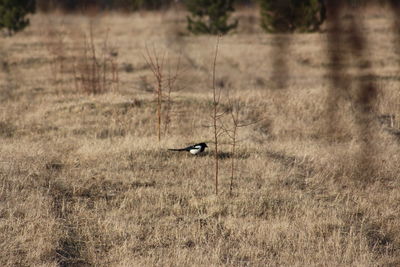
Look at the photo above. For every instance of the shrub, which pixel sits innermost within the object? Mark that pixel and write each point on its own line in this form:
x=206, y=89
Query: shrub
x=210, y=16
x=95, y=72
x=292, y=15
x=13, y=14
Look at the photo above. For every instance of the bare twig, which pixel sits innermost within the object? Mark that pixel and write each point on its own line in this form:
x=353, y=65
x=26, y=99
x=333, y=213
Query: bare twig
x=156, y=65
x=172, y=77
x=232, y=132
x=215, y=115
x=95, y=73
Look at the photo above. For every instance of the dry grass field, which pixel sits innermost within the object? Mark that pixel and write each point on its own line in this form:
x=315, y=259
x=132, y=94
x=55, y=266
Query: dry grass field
x=84, y=180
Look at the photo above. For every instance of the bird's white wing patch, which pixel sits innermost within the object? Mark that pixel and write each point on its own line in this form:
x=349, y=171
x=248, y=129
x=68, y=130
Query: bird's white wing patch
x=195, y=150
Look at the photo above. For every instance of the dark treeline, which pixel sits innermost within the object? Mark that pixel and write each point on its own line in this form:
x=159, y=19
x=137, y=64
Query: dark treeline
x=125, y=5
x=132, y=5
x=79, y=5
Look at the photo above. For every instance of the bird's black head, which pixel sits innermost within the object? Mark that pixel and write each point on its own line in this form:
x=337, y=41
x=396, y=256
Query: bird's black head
x=202, y=144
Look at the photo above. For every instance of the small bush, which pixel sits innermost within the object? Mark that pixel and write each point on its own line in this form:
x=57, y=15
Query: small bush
x=13, y=14
x=292, y=15
x=210, y=16
x=94, y=72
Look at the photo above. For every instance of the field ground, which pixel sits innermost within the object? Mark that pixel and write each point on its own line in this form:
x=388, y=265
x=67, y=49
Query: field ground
x=84, y=180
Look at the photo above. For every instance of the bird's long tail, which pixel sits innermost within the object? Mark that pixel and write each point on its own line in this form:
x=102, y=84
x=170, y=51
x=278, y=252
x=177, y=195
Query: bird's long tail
x=176, y=149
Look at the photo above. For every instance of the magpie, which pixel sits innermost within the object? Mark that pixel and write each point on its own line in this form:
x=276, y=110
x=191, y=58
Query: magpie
x=194, y=149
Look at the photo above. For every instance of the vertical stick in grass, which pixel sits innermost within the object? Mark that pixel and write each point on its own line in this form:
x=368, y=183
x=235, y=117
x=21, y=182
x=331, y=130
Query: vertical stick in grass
x=216, y=98
x=172, y=78
x=232, y=132
x=156, y=65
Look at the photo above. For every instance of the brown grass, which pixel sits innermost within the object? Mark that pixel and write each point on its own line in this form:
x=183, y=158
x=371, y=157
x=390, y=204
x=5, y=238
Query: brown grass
x=82, y=181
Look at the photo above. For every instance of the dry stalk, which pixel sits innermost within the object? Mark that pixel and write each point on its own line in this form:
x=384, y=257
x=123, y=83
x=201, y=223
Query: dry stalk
x=235, y=124
x=156, y=64
x=114, y=73
x=235, y=110
x=93, y=73
x=172, y=77
x=215, y=114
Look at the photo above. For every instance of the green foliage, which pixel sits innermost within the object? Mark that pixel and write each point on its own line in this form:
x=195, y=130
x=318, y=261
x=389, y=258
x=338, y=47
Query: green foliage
x=210, y=16
x=13, y=14
x=292, y=15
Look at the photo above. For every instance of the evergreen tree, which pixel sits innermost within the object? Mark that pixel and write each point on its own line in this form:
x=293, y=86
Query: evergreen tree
x=13, y=14
x=292, y=15
x=210, y=16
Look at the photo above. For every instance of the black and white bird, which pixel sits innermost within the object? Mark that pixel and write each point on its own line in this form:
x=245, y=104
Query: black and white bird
x=194, y=149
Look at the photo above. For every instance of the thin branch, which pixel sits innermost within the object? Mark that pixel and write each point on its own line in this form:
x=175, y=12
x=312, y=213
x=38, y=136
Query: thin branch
x=215, y=117
x=232, y=133
x=172, y=78
x=154, y=63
